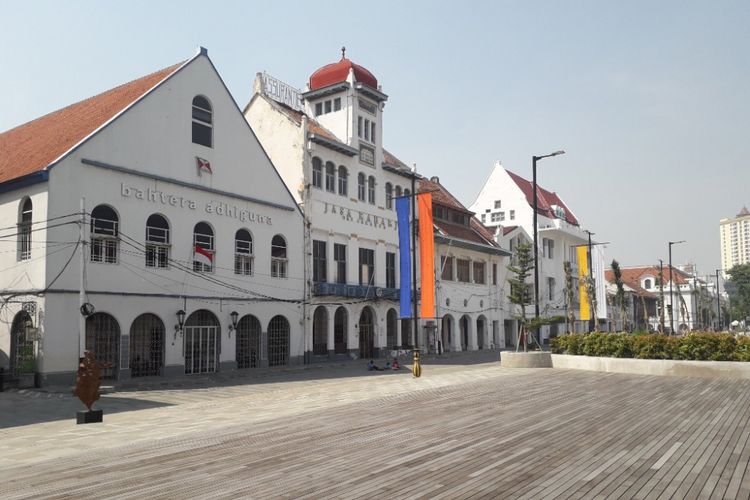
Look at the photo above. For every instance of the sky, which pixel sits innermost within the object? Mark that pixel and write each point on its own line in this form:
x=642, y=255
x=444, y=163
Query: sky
x=650, y=100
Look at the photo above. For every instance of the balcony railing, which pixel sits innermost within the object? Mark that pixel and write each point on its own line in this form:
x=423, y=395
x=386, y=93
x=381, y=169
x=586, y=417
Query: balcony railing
x=355, y=291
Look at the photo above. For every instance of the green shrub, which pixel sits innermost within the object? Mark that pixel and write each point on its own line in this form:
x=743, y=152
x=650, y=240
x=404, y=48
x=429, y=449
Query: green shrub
x=742, y=351
x=653, y=346
x=706, y=346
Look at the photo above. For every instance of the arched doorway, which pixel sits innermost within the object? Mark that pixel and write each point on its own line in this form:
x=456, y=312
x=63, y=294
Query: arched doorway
x=103, y=338
x=464, y=327
x=21, y=349
x=146, y=346
x=481, y=330
x=366, y=333
x=201, y=337
x=340, y=331
x=320, y=331
x=446, y=333
x=406, y=332
x=278, y=341
x=391, y=329
x=248, y=342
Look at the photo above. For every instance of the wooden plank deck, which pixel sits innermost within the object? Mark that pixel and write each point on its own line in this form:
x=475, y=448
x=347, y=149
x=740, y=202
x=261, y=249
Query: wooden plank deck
x=525, y=434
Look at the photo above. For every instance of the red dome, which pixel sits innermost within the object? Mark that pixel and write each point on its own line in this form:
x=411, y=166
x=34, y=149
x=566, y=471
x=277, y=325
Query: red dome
x=339, y=72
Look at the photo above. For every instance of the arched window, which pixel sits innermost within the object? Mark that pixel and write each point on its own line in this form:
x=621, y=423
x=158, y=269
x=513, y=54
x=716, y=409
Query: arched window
x=203, y=248
x=330, y=177
x=202, y=122
x=278, y=257
x=340, y=320
x=157, y=241
x=398, y=191
x=243, y=252
x=146, y=346
x=320, y=331
x=248, y=342
x=317, y=173
x=388, y=195
x=278, y=341
x=361, y=181
x=343, y=181
x=371, y=190
x=24, y=230
x=103, y=337
x=407, y=192
x=647, y=284
x=104, y=234
x=202, y=342
x=21, y=347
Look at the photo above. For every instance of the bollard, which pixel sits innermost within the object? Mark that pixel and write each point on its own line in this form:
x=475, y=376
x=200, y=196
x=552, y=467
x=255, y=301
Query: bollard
x=416, y=366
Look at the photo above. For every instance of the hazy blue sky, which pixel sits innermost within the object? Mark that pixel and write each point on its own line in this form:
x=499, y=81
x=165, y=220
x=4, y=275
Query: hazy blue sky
x=651, y=100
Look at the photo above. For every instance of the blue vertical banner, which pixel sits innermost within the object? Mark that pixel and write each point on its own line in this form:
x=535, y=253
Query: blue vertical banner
x=404, y=252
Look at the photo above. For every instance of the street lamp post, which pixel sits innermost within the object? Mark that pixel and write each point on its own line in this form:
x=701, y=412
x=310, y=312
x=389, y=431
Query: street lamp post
x=671, y=303
x=591, y=277
x=718, y=302
x=536, y=246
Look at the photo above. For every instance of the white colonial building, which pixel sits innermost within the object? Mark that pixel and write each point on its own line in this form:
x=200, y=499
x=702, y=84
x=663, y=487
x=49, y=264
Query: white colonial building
x=327, y=146
x=506, y=199
x=470, y=277
x=147, y=224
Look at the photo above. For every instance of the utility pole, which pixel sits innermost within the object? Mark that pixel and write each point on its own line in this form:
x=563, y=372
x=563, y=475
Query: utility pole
x=661, y=294
x=593, y=284
x=82, y=280
x=671, y=303
x=718, y=302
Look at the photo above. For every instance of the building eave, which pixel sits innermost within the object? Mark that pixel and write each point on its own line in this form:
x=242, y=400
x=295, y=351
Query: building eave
x=339, y=147
x=371, y=92
x=470, y=245
x=324, y=91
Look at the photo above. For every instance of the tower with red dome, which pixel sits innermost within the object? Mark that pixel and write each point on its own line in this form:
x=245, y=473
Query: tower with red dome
x=345, y=98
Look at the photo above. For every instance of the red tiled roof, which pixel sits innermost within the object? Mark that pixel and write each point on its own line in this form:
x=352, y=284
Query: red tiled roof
x=338, y=72
x=508, y=229
x=35, y=145
x=391, y=160
x=632, y=276
x=312, y=125
x=476, y=232
x=545, y=199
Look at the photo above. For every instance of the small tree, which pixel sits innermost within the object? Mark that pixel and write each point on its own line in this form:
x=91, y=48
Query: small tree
x=523, y=263
x=569, y=295
x=591, y=294
x=620, y=293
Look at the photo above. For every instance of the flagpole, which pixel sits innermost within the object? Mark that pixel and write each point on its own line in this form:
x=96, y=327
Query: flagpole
x=416, y=365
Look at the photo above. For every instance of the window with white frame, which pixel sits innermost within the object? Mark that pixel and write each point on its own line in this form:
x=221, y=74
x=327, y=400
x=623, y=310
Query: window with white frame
x=157, y=241
x=551, y=288
x=447, y=268
x=243, y=252
x=343, y=181
x=317, y=172
x=278, y=257
x=371, y=190
x=361, y=186
x=548, y=248
x=463, y=268
x=330, y=177
x=204, y=250
x=104, y=235
x=512, y=215
x=479, y=272
x=320, y=261
x=24, y=230
x=498, y=204
x=339, y=257
x=202, y=121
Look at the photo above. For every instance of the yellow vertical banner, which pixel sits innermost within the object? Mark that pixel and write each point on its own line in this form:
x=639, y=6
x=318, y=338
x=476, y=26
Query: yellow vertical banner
x=426, y=255
x=583, y=272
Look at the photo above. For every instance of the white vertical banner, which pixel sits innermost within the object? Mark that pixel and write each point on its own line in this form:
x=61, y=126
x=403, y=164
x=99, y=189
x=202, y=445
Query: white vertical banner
x=597, y=262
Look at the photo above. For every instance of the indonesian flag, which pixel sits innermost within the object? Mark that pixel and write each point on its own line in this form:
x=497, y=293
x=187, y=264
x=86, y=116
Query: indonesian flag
x=203, y=256
x=203, y=165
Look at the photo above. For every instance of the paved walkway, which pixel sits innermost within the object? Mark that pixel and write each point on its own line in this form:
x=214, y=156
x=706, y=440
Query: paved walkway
x=458, y=432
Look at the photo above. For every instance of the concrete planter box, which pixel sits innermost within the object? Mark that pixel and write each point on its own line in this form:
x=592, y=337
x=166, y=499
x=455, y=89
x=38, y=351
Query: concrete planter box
x=668, y=367
x=533, y=359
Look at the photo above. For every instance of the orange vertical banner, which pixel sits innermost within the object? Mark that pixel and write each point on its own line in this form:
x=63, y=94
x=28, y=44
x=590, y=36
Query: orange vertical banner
x=426, y=255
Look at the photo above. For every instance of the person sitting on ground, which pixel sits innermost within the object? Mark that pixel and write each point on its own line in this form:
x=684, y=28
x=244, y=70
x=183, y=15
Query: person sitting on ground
x=395, y=365
x=371, y=366
x=387, y=365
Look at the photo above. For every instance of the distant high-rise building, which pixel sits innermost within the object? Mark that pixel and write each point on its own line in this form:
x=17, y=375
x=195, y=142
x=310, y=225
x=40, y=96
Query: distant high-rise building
x=735, y=240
